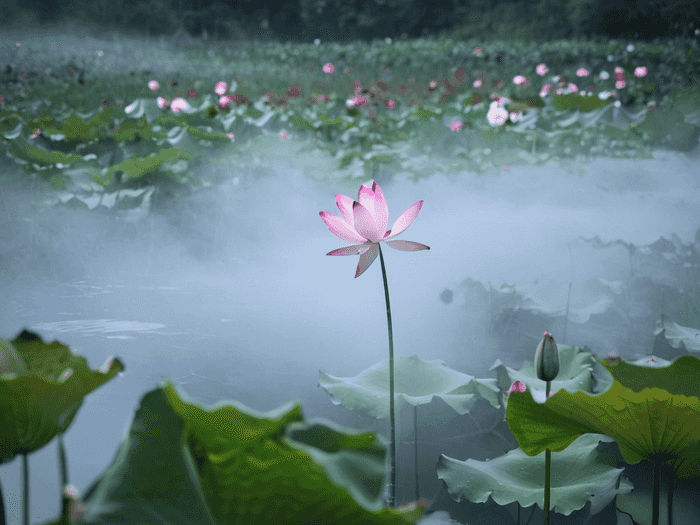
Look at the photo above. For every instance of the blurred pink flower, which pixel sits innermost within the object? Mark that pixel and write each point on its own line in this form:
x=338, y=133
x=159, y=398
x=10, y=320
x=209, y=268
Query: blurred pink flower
x=225, y=101
x=365, y=221
x=545, y=89
x=582, y=72
x=153, y=85
x=573, y=88
x=456, y=125
x=77, y=508
x=542, y=70
x=284, y=134
x=178, y=104
x=328, y=68
x=477, y=51
x=390, y=104
x=477, y=83
x=497, y=114
x=640, y=71
x=519, y=80
x=620, y=84
x=162, y=102
x=220, y=88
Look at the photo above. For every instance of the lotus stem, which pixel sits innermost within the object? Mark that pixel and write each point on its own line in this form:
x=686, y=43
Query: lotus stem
x=547, y=471
x=415, y=446
x=392, y=430
x=25, y=480
x=655, y=493
x=671, y=478
x=568, y=298
x=3, y=518
x=65, y=500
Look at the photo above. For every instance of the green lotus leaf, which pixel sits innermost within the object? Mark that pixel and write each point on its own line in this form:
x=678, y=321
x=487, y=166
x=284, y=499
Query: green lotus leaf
x=576, y=478
x=575, y=366
x=417, y=382
x=41, y=395
x=184, y=463
x=647, y=423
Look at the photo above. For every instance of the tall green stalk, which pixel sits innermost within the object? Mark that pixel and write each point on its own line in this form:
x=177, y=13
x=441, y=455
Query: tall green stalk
x=547, y=368
x=547, y=472
x=392, y=430
x=3, y=519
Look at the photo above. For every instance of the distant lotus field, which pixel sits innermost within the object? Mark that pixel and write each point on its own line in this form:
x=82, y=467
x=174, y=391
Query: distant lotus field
x=90, y=122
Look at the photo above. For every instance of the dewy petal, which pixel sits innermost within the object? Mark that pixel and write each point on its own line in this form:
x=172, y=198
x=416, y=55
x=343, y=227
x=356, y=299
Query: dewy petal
x=407, y=246
x=340, y=227
x=366, y=259
x=406, y=218
x=365, y=225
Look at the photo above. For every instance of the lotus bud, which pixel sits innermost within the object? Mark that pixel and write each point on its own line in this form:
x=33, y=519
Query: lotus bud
x=10, y=361
x=547, y=358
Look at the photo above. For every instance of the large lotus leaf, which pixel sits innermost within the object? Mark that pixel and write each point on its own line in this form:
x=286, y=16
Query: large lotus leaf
x=575, y=367
x=136, y=167
x=679, y=377
x=575, y=101
x=183, y=463
x=415, y=381
x=593, y=296
x=651, y=424
x=43, y=398
x=576, y=478
x=147, y=107
x=24, y=153
x=678, y=335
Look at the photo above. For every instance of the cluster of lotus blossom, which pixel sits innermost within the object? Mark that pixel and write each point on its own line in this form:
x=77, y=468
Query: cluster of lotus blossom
x=497, y=114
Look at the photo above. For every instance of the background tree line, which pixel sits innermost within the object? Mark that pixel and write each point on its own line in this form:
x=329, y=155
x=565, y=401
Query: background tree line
x=338, y=20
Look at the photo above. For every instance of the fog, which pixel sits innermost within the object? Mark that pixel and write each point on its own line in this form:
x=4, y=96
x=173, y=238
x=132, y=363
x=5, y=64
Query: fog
x=233, y=292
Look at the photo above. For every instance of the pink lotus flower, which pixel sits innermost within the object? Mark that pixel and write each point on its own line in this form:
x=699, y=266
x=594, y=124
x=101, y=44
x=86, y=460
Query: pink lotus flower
x=365, y=221
x=582, y=72
x=328, y=68
x=153, y=85
x=178, y=104
x=220, y=88
x=640, y=71
x=519, y=80
x=224, y=101
x=541, y=69
x=497, y=114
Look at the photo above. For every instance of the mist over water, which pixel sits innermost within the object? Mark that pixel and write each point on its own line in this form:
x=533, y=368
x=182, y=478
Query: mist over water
x=232, y=291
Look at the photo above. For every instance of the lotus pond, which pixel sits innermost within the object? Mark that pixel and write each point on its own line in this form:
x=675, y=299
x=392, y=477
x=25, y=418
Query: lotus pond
x=238, y=375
